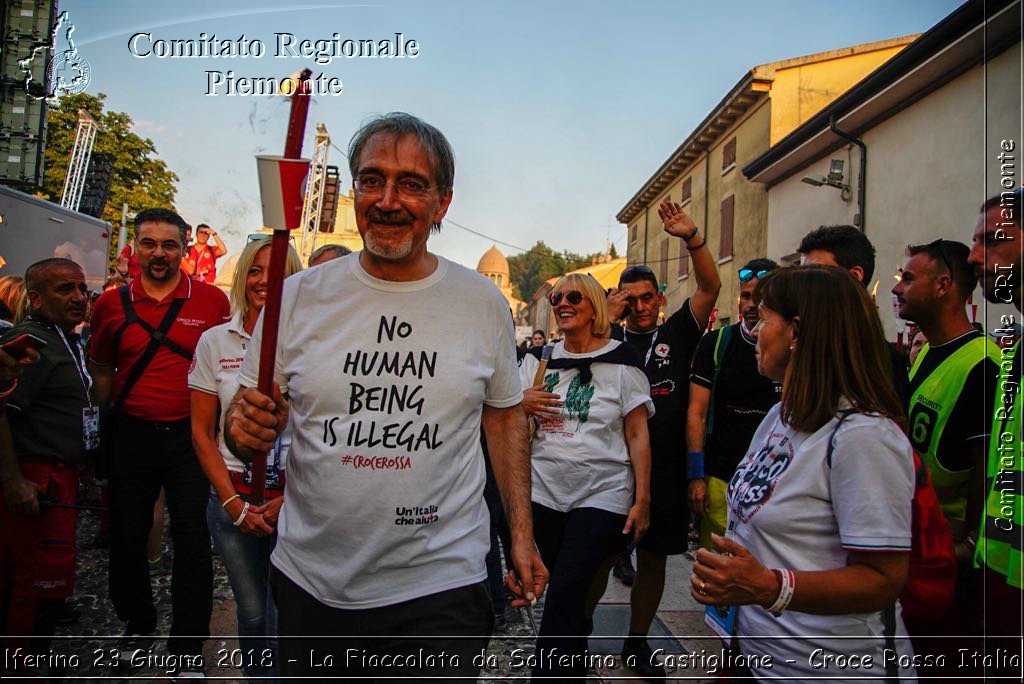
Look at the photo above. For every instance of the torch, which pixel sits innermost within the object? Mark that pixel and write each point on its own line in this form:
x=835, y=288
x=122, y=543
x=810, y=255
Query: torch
x=281, y=185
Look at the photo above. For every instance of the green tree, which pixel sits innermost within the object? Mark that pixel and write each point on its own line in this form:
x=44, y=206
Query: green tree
x=530, y=269
x=140, y=177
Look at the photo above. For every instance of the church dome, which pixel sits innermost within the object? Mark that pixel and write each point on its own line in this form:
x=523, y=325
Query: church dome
x=493, y=261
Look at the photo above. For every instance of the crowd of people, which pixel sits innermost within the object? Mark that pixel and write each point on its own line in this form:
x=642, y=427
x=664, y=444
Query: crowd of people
x=834, y=479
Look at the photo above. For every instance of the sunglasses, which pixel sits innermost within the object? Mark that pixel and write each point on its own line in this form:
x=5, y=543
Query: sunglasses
x=254, y=237
x=746, y=275
x=940, y=247
x=574, y=297
x=644, y=270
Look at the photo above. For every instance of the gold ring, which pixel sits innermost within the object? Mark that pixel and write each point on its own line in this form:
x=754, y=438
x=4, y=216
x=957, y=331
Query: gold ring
x=701, y=590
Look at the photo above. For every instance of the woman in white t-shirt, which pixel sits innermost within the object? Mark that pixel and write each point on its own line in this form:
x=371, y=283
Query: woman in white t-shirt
x=243, y=530
x=818, y=539
x=591, y=463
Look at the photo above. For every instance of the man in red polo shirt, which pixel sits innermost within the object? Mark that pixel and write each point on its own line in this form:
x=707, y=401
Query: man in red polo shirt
x=203, y=256
x=143, y=338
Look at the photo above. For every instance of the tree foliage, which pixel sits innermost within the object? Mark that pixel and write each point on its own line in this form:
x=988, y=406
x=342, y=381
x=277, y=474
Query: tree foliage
x=140, y=177
x=530, y=269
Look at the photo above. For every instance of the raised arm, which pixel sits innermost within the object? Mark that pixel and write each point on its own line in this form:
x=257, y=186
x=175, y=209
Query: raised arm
x=219, y=249
x=705, y=270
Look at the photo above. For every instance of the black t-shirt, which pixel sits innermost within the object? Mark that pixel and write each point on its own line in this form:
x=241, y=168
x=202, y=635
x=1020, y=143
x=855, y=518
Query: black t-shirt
x=742, y=398
x=971, y=418
x=667, y=365
x=900, y=381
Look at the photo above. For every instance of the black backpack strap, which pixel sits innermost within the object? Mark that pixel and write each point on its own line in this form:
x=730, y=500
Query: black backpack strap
x=158, y=337
x=130, y=316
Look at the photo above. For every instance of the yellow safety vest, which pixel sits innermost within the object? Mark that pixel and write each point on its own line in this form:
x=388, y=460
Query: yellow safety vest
x=1002, y=527
x=930, y=407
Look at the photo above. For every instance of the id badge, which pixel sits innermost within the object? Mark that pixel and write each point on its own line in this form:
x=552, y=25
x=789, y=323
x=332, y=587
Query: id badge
x=91, y=428
x=721, y=619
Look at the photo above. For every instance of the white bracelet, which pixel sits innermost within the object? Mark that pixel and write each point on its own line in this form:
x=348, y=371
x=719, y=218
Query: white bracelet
x=787, y=586
x=245, y=509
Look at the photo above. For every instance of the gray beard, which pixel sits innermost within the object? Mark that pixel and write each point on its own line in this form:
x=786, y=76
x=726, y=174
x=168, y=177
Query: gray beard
x=388, y=252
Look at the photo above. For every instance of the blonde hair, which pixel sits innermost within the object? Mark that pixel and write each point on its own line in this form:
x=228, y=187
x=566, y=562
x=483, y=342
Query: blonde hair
x=12, y=294
x=239, y=303
x=591, y=289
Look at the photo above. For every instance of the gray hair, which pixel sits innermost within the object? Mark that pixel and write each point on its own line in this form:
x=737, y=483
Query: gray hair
x=400, y=124
x=342, y=250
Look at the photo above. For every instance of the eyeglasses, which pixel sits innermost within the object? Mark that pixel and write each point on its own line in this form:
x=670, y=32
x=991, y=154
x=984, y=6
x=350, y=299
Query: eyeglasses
x=254, y=237
x=150, y=245
x=372, y=185
x=574, y=297
x=746, y=274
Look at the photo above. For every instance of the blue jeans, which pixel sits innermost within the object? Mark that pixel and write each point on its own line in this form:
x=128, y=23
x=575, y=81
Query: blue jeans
x=247, y=560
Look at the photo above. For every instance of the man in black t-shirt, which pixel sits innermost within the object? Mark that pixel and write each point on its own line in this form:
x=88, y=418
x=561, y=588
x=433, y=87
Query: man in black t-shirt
x=728, y=400
x=667, y=351
x=848, y=247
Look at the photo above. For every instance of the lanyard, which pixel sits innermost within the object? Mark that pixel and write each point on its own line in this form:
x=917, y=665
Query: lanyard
x=654, y=339
x=83, y=372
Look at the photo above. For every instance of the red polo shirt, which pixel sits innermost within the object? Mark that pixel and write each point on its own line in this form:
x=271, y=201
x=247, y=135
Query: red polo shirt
x=206, y=263
x=162, y=391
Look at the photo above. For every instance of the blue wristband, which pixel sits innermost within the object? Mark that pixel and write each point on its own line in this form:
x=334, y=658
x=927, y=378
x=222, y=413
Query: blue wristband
x=695, y=465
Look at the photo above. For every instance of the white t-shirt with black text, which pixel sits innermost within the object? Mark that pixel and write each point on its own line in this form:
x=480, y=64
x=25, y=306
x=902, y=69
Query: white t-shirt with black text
x=386, y=384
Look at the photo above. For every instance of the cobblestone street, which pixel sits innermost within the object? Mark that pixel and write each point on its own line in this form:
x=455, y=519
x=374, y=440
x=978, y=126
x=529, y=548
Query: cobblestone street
x=97, y=627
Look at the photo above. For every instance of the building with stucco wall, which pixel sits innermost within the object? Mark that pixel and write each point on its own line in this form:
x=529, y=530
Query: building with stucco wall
x=934, y=121
x=703, y=173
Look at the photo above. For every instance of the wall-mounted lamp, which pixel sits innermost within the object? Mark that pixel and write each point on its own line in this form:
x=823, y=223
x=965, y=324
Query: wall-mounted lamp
x=834, y=179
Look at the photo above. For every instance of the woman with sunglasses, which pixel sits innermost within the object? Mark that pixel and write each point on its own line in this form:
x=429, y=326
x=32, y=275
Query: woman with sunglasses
x=243, y=531
x=591, y=463
x=818, y=539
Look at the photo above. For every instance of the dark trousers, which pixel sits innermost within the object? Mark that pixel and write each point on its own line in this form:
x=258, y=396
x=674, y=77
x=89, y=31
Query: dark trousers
x=440, y=635
x=501, y=540
x=147, y=457
x=573, y=546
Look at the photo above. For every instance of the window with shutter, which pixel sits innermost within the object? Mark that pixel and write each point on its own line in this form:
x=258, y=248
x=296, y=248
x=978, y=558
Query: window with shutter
x=729, y=154
x=684, y=261
x=687, y=191
x=632, y=233
x=725, y=242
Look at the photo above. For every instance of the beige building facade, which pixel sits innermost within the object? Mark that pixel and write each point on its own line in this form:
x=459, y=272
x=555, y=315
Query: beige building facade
x=934, y=122
x=704, y=172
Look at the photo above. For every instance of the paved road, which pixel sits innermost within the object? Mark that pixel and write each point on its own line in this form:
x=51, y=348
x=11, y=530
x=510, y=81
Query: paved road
x=98, y=626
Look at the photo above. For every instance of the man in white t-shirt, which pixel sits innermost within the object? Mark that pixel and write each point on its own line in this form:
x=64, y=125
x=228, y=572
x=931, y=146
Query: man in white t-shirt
x=384, y=530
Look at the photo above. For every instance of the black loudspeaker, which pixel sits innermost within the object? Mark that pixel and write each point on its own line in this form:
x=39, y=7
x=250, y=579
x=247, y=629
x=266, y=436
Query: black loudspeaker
x=97, y=185
x=332, y=186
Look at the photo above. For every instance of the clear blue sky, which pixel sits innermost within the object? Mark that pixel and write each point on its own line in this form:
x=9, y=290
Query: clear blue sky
x=558, y=112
